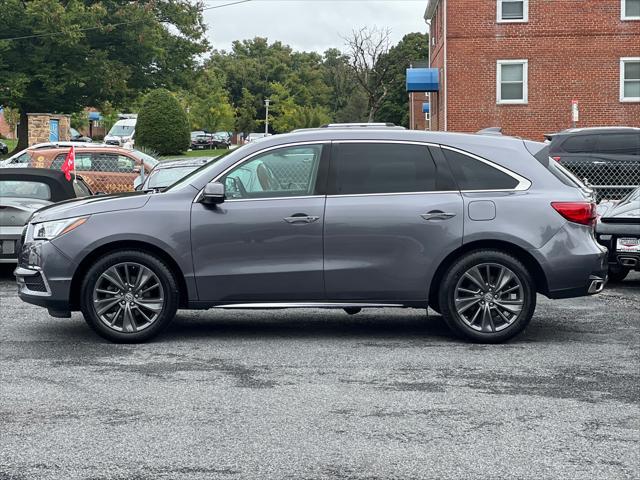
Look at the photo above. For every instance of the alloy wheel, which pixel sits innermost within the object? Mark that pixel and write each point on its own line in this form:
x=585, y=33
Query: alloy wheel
x=128, y=297
x=489, y=297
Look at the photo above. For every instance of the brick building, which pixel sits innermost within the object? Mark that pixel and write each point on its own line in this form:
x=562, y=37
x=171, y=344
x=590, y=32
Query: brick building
x=519, y=64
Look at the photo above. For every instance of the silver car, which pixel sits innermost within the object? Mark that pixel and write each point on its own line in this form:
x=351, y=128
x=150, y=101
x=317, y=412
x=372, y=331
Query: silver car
x=471, y=225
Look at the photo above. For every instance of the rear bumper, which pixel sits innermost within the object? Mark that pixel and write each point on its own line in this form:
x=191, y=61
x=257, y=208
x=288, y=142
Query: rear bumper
x=573, y=262
x=630, y=260
x=9, y=244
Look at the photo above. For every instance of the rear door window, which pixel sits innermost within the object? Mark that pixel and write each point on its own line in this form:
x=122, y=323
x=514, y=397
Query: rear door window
x=366, y=168
x=472, y=174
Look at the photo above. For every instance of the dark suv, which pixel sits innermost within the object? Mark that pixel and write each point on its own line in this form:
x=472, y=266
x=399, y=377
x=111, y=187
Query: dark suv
x=607, y=158
x=471, y=225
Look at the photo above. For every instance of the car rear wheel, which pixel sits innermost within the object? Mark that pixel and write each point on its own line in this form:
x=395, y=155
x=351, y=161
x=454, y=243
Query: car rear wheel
x=618, y=273
x=487, y=296
x=129, y=296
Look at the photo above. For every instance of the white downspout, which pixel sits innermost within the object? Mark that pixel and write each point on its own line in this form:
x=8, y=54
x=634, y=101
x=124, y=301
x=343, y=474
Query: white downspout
x=430, y=40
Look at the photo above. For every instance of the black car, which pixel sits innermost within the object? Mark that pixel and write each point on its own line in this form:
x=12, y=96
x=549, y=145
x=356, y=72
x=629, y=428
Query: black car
x=608, y=158
x=618, y=229
x=208, y=141
x=4, y=149
x=25, y=190
x=76, y=136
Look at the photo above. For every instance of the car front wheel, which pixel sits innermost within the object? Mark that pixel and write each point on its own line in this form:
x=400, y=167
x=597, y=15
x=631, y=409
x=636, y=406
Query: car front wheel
x=487, y=296
x=129, y=296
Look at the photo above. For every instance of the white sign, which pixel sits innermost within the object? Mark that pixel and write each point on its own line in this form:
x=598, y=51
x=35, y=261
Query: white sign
x=575, y=113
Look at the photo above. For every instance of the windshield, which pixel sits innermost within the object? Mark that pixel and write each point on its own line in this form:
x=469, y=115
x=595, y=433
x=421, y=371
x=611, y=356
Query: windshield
x=168, y=176
x=148, y=159
x=24, y=189
x=186, y=180
x=121, y=130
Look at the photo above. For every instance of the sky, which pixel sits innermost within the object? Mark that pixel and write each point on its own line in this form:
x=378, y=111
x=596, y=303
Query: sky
x=310, y=25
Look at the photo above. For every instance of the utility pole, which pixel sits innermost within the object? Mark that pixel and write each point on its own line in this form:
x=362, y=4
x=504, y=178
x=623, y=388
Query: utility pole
x=266, y=120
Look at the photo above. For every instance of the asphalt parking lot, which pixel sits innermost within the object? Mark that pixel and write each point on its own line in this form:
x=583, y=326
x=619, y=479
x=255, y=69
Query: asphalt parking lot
x=319, y=394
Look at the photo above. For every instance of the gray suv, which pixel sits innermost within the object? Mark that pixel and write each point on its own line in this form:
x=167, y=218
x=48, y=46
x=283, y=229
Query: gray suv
x=470, y=225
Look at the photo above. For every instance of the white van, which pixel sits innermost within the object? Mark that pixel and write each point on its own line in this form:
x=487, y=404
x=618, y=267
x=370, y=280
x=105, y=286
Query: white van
x=122, y=133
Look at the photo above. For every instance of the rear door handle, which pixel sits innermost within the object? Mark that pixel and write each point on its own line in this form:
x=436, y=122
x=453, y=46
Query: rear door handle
x=437, y=215
x=301, y=218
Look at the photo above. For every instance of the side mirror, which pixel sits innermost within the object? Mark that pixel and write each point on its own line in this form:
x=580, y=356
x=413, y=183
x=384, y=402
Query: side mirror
x=213, y=193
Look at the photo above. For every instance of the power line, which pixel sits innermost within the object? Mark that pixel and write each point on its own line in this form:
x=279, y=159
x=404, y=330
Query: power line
x=112, y=25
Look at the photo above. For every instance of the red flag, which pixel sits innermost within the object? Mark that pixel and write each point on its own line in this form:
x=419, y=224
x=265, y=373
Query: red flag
x=69, y=164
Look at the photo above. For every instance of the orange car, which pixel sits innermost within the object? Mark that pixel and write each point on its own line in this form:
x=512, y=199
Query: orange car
x=107, y=169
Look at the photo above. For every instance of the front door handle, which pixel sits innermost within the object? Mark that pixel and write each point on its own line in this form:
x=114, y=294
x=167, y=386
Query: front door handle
x=437, y=215
x=301, y=218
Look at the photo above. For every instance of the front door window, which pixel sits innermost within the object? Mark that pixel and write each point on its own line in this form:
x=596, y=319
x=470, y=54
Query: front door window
x=285, y=172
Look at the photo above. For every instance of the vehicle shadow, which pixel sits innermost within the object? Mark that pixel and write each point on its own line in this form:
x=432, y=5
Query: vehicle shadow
x=265, y=324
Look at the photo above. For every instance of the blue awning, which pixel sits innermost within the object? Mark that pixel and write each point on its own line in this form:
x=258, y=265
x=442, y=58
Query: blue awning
x=425, y=108
x=423, y=80
x=95, y=116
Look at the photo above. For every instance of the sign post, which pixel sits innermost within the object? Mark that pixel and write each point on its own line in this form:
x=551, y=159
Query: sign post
x=575, y=112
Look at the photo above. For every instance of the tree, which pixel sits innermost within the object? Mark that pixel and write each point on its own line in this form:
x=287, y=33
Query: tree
x=288, y=115
x=414, y=47
x=79, y=53
x=162, y=124
x=366, y=48
x=12, y=117
x=246, y=113
x=208, y=104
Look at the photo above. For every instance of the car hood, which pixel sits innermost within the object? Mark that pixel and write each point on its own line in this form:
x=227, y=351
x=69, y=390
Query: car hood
x=91, y=206
x=14, y=211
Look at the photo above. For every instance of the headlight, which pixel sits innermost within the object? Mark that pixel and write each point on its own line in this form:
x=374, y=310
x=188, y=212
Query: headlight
x=55, y=228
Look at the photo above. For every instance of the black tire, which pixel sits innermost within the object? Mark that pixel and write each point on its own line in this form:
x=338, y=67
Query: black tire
x=497, y=334
x=617, y=273
x=163, y=274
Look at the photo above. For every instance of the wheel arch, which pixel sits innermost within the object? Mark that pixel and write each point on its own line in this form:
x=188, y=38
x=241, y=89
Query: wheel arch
x=89, y=259
x=529, y=261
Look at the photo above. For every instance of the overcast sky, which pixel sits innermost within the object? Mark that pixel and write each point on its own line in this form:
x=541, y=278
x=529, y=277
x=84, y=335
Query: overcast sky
x=310, y=24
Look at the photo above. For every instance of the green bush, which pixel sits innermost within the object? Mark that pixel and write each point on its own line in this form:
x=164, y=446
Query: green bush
x=162, y=124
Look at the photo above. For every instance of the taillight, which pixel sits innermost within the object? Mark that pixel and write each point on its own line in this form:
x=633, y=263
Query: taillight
x=557, y=159
x=583, y=213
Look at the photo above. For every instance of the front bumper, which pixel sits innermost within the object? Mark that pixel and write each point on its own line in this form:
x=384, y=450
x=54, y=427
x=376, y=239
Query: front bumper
x=44, y=276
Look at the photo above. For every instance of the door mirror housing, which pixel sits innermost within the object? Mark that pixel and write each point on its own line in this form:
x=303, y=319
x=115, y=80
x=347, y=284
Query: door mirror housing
x=214, y=193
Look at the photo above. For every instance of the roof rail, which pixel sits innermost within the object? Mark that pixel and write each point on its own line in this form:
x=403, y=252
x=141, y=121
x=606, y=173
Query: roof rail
x=363, y=125
x=490, y=131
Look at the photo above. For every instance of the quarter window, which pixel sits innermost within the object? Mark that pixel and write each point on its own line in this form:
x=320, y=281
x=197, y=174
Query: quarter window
x=472, y=174
x=630, y=10
x=512, y=84
x=367, y=168
x=513, y=11
x=285, y=172
x=630, y=79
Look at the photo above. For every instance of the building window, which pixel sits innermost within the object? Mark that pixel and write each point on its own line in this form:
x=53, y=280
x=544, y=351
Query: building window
x=630, y=10
x=630, y=79
x=512, y=84
x=513, y=11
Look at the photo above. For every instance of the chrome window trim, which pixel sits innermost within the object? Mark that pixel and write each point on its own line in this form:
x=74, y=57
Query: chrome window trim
x=255, y=154
x=231, y=200
x=523, y=183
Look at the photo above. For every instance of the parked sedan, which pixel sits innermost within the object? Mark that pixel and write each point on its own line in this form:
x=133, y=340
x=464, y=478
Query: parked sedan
x=618, y=229
x=473, y=226
x=208, y=141
x=165, y=174
x=22, y=192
